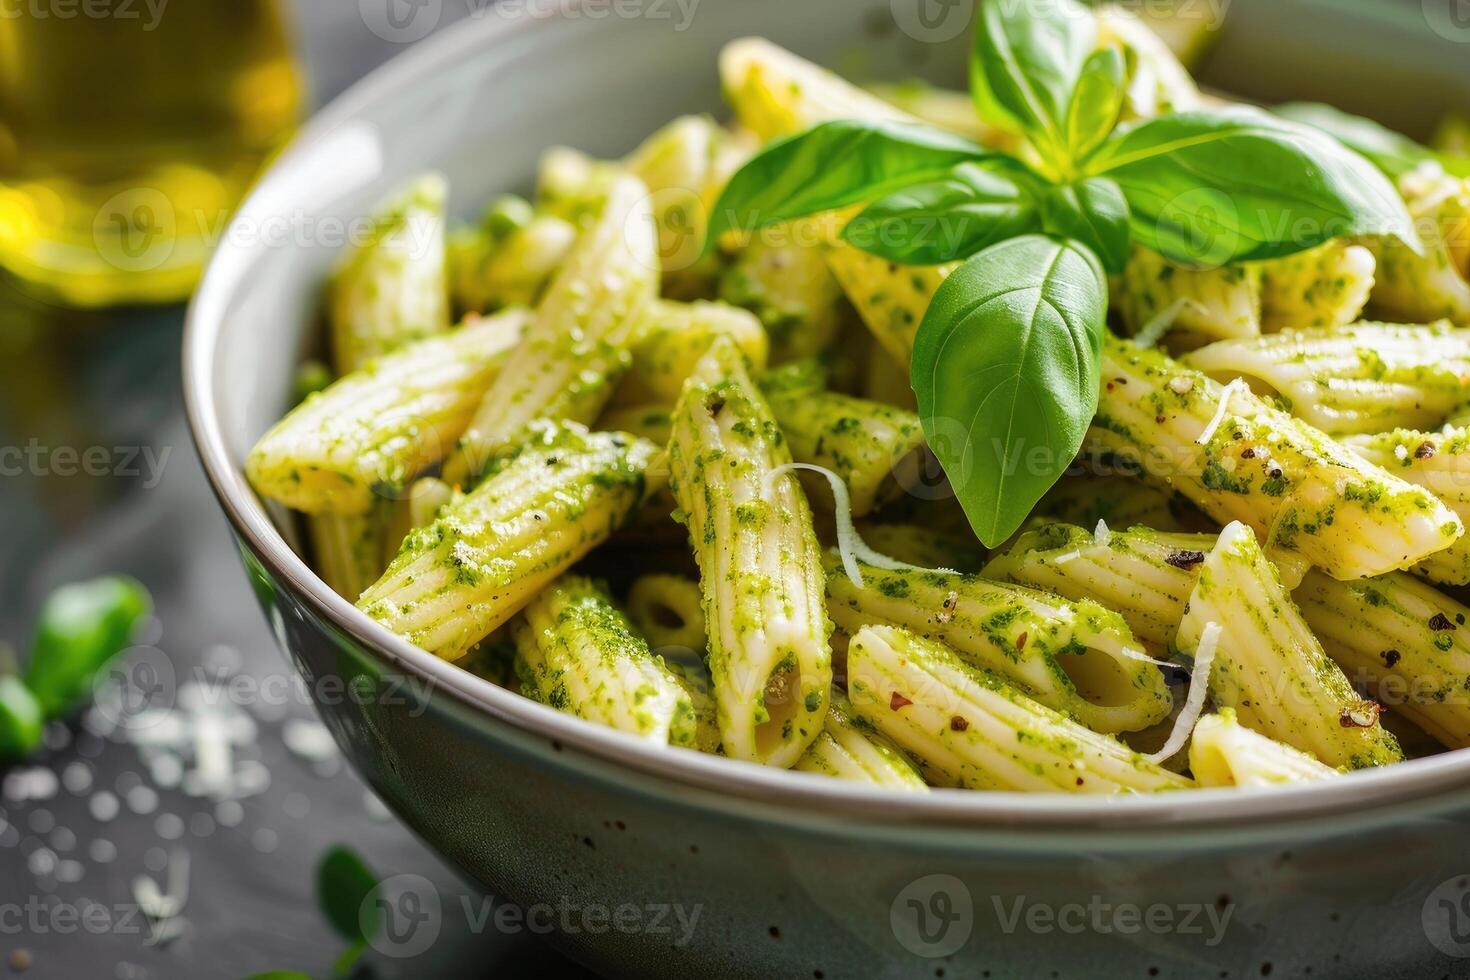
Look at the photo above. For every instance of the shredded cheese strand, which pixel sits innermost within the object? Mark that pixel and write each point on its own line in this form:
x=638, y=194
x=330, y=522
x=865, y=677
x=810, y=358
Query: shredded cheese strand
x=1220, y=410
x=850, y=544
x=1160, y=323
x=1194, y=704
x=1101, y=535
x=1133, y=654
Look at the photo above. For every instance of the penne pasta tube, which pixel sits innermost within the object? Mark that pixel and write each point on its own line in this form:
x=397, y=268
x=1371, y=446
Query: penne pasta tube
x=1403, y=641
x=1369, y=377
x=1323, y=287
x=1223, y=752
x=782, y=277
x=417, y=508
x=1239, y=459
x=576, y=346
x=1415, y=288
x=876, y=449
x=668, y=610
x=485, y=556
x=696, y=681
x=1439, y=462
x=495, y=266
x=972, y=729
x=851, y=748
x=759, y=563
x=1270, y=667
x=393, y=288
x=348, y=549
x=670, y=338
x=776, y=93
x=1071, y=655
x=361, y=440
x=1154, y=295
x=578, y=653
x=1146, y=576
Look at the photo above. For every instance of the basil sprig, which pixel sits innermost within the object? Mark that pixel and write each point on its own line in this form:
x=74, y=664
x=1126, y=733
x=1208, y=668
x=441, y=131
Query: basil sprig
x=1006, y=360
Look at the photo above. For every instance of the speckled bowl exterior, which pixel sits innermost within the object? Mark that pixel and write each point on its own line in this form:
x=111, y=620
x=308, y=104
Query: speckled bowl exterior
x=668, y=863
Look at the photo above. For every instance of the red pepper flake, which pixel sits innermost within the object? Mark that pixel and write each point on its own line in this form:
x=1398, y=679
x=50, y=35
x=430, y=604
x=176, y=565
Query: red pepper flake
x=1185, y=559
x=1109, y=386
x=1390, y=657
x=1080, y=780
x=958, y=724
x=1364, y=714
x=1021, y=641
x=1440, y=622
x=1159, y=419
x=897, y=701
x=1248, y=453
x=1425, y=450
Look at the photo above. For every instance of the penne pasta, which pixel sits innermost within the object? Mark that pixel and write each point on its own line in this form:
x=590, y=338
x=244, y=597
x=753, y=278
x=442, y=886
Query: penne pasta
x=393, y=288
x=1403, y=641
x=876, y=449
x=668, y=610
x=1237, y=458
x=1270, y=667
x=969, y=728
x=1194, y=306
x=1146, y=576
x=348, y=549
x=576, y=346
x=759, y=562
x=361, y=440
x=1369, y=377
x=670, y=338
x=1323, y=287
x=494, y=266
x=1414, y=288
x=851, y=748
x=536, y=512
x=1073, y=656
x=576, y=652
x=1223, y=752
x=782, y=277
x=1439, y=462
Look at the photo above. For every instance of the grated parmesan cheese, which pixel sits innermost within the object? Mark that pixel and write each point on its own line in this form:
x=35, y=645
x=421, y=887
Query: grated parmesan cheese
x=1160, y=323
x=1220, y=410
x=1194, y=704
x=1101, y=536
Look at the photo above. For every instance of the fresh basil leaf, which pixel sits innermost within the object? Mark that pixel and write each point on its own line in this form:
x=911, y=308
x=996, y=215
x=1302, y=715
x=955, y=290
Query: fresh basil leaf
x=1096, y=103
x=1393, y=153
x=974, y=206
x=344, y=884
x=1093, y=212
x=832, y=165
x=1005, y=367
x=1209, y=188
x=1025, y=64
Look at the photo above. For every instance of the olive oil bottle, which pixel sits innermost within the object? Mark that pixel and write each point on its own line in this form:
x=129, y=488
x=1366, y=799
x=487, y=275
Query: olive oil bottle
x=129, y=130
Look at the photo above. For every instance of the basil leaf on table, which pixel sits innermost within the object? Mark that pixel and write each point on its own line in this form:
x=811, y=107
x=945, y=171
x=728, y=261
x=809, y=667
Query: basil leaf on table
x=1393, y=153
x=344, y=884
x=1209, y=188
x=972, y=207
x=832, y=165
x=1025, y=63
x=1093, y=212
x=1097, y=102
x=1005, y=368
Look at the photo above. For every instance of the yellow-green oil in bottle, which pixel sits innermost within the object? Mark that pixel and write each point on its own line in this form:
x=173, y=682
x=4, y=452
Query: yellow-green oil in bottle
x=129, y=130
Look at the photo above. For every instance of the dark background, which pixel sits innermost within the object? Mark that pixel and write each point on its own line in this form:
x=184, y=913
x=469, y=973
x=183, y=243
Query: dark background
x=112, y=381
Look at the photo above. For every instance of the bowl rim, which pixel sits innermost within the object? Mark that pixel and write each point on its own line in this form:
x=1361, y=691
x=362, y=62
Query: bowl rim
x=1355, y=793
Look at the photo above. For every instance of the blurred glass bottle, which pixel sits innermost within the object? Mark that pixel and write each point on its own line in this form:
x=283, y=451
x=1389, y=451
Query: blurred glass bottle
x=129, y=130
